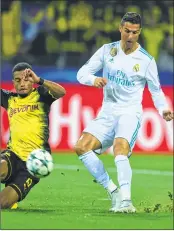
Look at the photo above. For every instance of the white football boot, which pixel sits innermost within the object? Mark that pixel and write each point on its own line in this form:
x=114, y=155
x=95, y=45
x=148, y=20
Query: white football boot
x=126, y=206
x=115, y=200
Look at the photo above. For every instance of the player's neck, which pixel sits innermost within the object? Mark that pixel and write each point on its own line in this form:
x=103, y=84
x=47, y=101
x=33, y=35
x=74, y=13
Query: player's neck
x=25, y=95
x=22, y=95
x=128, y=51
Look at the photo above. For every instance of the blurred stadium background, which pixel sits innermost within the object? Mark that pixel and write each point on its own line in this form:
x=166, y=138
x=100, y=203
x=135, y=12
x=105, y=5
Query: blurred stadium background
x=57, y=37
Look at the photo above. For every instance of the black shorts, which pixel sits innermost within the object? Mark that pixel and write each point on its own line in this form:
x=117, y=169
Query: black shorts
x=18, y=176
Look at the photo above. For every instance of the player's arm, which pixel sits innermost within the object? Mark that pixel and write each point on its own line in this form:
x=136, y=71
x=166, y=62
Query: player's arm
x=86, y=74
x=56, y=90
x=158, y=96
x=4, y=98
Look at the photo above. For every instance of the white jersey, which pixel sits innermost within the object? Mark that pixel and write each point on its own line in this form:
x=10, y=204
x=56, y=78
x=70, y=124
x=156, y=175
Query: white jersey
x=126, y=76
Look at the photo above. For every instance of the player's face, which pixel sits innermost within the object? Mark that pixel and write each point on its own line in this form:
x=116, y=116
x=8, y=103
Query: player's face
x=129, y=34
x=22, y=84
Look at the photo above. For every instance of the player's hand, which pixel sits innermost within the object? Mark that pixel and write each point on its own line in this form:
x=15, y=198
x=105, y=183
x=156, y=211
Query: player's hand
x=100, y=82
x=168, y=115
x=31, y=76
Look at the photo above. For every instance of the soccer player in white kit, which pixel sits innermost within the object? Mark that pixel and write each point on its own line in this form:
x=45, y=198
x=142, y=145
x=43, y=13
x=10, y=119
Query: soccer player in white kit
x=127, y=68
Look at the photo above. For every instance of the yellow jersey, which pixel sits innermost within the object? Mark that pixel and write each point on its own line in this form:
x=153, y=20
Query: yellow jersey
x=28, y=120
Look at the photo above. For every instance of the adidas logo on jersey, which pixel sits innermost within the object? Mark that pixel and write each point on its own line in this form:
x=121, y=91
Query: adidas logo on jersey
x=111, y=60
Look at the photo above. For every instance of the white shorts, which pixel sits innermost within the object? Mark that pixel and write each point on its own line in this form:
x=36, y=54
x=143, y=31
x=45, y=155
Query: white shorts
x=106, y=127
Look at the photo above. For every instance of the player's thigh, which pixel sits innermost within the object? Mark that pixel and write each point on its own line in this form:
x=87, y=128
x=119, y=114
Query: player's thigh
x=8, y=167
x=100, y=134
x=8, y=196
x=126, y=133
x=23, y=182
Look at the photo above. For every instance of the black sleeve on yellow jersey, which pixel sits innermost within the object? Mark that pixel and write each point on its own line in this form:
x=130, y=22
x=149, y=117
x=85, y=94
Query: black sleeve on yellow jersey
x=45, y=95
x=5, y=95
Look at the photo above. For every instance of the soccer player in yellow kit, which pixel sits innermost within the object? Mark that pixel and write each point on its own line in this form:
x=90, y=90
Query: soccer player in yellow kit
x=28, y=114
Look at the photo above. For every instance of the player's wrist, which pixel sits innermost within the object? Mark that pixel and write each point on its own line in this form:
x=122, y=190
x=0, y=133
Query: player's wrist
x=41, y=81
x=92, y=79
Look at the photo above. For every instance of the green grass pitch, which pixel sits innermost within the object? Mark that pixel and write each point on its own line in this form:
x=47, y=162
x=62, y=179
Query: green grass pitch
x=70, y=199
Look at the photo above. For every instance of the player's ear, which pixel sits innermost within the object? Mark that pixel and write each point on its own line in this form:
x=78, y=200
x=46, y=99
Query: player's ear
x=13, y=82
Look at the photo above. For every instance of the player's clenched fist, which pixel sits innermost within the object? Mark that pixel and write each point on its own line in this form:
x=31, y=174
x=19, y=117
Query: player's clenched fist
x=100, y=82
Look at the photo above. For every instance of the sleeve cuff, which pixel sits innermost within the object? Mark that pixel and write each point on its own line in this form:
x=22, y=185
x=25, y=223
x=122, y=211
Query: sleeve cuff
x=92, y=79
x=160, y=110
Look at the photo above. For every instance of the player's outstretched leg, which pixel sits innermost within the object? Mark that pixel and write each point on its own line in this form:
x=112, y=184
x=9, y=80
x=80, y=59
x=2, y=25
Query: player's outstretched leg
x=124, y=174
x=8, y=196
x=84, y=149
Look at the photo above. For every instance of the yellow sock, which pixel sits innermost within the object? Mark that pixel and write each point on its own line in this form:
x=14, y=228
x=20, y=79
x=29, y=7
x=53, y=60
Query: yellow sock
x=14, y=206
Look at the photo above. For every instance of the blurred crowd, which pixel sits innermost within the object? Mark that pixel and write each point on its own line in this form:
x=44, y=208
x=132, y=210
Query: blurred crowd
x=65, y=33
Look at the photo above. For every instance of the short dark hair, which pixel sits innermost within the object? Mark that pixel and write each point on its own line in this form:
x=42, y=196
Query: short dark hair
x=21, y=66
x=131, y=17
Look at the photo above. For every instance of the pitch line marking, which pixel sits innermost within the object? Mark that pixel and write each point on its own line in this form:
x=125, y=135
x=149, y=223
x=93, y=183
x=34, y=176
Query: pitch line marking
x=135, y=171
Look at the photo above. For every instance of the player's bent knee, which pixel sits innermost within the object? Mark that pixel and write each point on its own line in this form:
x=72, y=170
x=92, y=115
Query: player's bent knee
x=4, y=202
x=8, y=197
x=121, y=146
x=86, y=143
x=81, y=149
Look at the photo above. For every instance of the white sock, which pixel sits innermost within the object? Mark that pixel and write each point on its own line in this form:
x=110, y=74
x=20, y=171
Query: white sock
x=124, y=174
x=97, y=170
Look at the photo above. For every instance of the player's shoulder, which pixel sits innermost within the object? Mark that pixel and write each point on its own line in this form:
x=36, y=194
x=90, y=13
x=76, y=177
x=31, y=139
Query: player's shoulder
x=112, y=45
x=41, y=90
x=8, y=93
x=144, y=54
